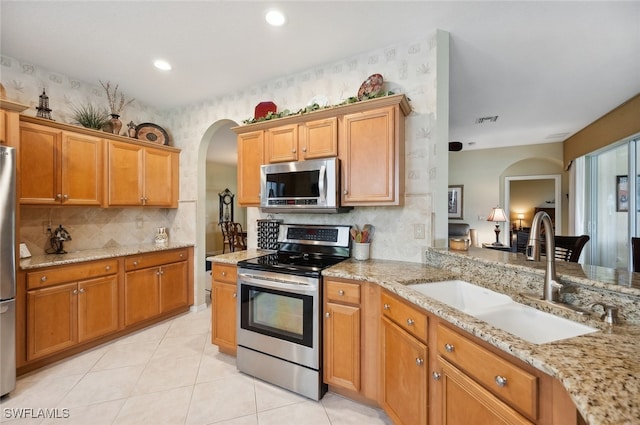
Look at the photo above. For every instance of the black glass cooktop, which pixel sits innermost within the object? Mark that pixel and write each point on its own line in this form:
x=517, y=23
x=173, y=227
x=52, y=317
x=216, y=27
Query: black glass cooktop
x=302, y=264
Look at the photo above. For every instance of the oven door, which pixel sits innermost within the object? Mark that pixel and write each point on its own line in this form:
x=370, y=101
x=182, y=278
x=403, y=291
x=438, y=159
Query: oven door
x=279, y=315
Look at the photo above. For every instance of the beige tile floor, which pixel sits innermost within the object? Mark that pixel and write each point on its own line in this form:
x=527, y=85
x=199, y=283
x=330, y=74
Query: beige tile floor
x=168, y=374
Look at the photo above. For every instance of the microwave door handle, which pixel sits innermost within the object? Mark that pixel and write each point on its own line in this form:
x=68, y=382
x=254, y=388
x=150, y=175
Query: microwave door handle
x=322, y=184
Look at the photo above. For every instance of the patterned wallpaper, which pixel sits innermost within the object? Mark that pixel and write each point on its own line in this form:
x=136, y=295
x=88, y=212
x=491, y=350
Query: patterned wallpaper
x=408, y=67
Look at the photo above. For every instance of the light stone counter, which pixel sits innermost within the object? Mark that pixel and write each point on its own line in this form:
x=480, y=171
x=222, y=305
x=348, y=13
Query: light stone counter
x=234, y=257
x=601, y=371
x=47, y=260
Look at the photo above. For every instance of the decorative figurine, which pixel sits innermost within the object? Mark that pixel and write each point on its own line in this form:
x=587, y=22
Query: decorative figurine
x=43, y=106
x=132, y=129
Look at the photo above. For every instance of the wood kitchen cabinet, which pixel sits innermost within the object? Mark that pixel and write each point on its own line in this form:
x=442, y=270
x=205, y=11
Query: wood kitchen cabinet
x=155, y=284
x=298, y=142
x=10, y=122
x=59, y=167
x=250, y=158
x=224, y=299
x=141, y=175
x=405, y=361
x=372, y=156
x=69, y=305
x=351, y=364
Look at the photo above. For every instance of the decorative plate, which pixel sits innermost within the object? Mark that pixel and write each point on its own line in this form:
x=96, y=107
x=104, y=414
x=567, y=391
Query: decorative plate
x=370, y=87
x=150, y=132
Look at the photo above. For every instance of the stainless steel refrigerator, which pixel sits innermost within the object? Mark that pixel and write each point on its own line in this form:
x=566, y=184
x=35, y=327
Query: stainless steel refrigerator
x=7, y=270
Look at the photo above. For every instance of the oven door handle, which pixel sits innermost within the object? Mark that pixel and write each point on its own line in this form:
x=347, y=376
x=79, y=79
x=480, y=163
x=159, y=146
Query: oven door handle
x=299, y=288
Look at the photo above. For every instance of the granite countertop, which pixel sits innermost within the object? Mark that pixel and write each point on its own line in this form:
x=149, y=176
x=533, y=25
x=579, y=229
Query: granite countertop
x=234, y=257
x=47, y=260
x=600, y=371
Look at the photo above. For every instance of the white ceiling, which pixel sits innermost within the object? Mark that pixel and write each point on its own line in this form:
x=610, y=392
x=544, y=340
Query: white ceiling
x=547, y=69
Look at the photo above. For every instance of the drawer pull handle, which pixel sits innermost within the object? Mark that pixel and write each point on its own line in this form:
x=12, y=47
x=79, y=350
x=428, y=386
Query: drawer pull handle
x=341, y=292
x=410, y=322
x=449, y=348
x=436, y=376
x=387, y=306
x=419, y=361
x=43, y=279
x=501, y=381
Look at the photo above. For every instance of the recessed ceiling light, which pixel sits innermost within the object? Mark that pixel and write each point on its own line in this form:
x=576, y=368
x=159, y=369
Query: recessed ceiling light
x=275, y=18
x=162, y=65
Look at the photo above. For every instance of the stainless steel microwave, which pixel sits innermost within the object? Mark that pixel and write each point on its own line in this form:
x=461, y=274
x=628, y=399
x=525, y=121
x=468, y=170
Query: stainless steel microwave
x=303, y=186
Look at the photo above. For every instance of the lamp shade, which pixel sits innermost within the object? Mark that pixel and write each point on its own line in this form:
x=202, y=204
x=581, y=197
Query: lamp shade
x=497, y=214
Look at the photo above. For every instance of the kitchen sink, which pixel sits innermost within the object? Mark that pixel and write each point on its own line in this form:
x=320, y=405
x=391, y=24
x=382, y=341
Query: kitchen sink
x=501, y=311
x=463, y=296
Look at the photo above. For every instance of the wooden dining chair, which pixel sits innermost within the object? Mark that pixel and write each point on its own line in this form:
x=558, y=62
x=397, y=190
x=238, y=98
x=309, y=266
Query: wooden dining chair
x=569, y=248
x=238, y=237
x=635, y=249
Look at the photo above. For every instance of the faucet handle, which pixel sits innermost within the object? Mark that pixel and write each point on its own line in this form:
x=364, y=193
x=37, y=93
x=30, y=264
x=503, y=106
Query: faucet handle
x=610, y=315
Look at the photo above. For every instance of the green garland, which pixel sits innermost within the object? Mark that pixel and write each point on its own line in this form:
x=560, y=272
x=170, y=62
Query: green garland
x=311, y=108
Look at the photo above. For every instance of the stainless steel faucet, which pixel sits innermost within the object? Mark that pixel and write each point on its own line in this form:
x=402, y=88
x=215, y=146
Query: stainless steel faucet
x=551, y=286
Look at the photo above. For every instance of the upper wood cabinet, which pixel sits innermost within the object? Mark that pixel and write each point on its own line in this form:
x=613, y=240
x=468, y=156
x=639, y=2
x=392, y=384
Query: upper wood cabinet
x=59, y=167
x=367, y=136
x=141, y=175
x=10, y=122
x=250, y=158
x=297, y=142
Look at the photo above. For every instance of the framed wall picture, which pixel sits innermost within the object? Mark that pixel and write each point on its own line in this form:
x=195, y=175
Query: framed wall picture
x=456, y=202
x=622, y=193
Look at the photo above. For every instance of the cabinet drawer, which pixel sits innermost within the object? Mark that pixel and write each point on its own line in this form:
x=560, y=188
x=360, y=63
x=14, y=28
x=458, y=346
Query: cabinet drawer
x=137, y=262
x=225, y=273
x=71, y=273
x=518, y=388
x=342, y=292
x=409, y=318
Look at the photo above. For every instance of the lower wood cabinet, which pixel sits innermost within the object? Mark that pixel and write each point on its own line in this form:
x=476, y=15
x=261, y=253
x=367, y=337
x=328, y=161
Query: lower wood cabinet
x=224, y=298
x=63, y=311
x=155, y=283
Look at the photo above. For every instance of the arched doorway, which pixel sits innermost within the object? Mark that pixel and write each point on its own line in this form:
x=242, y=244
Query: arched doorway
x=219, y=143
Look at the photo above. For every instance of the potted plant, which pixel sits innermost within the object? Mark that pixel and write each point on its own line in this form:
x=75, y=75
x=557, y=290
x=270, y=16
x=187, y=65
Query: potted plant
x=90, y=116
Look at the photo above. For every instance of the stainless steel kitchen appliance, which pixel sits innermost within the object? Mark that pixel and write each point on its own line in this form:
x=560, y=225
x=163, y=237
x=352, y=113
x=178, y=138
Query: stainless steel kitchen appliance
x=7, y=270
x=280, y=307
x=310, y=186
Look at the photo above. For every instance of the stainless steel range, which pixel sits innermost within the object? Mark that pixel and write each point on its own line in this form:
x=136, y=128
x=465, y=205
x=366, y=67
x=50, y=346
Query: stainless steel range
x=280, y=307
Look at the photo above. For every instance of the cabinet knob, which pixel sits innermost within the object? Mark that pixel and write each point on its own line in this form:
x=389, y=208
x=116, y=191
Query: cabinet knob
x=386, y=306
x=436, y=376
x=419, y=361
x=43, y=279
x=294, y=150
x=107, y=268
x=58, y=195
x=65, y=196
x=410, y=322
x=449, y=348
x=344, y=192
x=501, y=381
x=75, y=292
x=327, y=315
x=304, y=149
x=235, y=295
x=181, y=255
x=135, y=263
x=341, y=292
x=223, y=273
x=82, y=290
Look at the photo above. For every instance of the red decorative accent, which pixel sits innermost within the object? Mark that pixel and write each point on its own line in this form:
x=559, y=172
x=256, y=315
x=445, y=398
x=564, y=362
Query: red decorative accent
x=263, y=108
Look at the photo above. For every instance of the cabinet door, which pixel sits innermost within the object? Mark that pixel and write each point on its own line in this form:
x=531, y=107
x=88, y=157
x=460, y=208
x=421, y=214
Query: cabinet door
x=81, y=172
x=404, y=376
x=342, y=360
x=370, y=160
x=39, y=154
x=141, y=295
x=3, y=128
x=97, y=307
x=160, y=178
x=224, y=298
x=480, y=406
x=250, y=158
x=124, y=171
x=282, y=143
x=173, y=286
x=51, y=319
x=319, y=139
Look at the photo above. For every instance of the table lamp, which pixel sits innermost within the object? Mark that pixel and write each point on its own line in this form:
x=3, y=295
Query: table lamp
x=520, y=217
x=497, y=216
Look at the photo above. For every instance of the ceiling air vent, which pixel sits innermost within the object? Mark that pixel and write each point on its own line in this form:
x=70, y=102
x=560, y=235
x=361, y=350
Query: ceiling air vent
x=484, y=120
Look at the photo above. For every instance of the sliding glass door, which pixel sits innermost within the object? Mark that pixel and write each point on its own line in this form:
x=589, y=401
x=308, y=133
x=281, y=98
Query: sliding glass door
x=612, y=216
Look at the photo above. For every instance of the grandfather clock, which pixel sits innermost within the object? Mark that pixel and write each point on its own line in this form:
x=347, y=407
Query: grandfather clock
x=226, y=205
